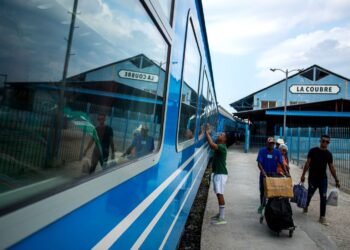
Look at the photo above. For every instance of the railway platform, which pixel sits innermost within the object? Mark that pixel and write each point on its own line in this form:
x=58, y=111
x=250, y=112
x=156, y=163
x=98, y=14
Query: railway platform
x=243, y=230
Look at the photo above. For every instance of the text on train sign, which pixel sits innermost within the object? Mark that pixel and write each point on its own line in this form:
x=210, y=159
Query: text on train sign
x=138, y=76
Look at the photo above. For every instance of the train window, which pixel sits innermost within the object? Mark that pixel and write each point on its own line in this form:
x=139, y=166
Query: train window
x=213, y=112
x=71, y=108
x=190, y=81
x=204, y=103
x=166, y=7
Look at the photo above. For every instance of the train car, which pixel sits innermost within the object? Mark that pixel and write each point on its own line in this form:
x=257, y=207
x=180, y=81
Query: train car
x=103, y=106
x=235, y=128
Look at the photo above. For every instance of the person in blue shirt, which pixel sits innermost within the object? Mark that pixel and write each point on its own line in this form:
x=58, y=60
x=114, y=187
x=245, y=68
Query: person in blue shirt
x=141, y=145
x=268, y=160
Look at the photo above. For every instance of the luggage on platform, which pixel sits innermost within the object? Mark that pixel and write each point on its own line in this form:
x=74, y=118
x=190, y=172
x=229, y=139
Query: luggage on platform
x=279, y=215
x=300, y=195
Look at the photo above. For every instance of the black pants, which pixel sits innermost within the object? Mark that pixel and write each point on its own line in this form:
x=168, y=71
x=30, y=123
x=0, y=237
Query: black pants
x=262, y=191
x=322, y=189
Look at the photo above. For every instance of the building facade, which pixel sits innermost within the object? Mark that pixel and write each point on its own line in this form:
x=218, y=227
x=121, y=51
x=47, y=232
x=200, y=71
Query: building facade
x=315, y=97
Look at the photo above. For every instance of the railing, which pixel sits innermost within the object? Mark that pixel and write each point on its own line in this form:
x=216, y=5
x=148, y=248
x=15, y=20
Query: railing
x=301, y=140
x=26, y=137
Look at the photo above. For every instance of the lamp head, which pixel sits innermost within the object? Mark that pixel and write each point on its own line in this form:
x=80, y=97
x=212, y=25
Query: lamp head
x=273, y=70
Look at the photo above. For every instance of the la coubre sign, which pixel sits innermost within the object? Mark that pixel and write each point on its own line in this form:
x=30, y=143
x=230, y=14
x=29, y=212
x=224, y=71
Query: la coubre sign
x=314, y=89
x=141, y=76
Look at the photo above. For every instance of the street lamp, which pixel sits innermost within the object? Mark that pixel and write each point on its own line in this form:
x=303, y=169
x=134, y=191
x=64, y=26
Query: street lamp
x=285, y=97
x=158, y=82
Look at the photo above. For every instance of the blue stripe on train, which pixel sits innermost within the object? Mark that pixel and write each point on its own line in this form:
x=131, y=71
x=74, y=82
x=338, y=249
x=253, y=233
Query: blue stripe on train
x=95, y=219
x=157, y=235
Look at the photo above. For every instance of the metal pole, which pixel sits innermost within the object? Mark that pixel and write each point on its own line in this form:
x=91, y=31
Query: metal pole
x=285, y=97
x=247, y=138
x=69, y=45
x=61, y=102
x=285, y=107
x=155, y=99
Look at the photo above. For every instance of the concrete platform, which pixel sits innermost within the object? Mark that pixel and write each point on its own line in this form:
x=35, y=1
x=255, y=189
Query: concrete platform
x=243, y=230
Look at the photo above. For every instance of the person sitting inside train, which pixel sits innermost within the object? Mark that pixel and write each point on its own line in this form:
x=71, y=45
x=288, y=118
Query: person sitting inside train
x=141, y=145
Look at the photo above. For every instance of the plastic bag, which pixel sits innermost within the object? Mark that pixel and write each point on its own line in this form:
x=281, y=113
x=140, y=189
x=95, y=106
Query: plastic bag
x=333, y=196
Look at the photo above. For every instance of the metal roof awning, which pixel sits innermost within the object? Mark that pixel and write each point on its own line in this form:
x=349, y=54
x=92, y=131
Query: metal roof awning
x=308, y=113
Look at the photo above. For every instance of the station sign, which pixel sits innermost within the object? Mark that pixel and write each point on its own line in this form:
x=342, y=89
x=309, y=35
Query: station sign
x=332, y=89
x=141, y=76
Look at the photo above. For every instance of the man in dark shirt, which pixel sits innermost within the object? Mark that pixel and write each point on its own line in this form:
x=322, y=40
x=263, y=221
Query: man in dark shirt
x=105, y=135
x=317, y=160
x=219, y=173
x=268, y=159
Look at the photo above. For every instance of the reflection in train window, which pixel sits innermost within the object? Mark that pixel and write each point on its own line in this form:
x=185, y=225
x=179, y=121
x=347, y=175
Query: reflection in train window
x=70, y=108
x=166, y=7
x=189, y=93
x=204, y=104
x=213, y=111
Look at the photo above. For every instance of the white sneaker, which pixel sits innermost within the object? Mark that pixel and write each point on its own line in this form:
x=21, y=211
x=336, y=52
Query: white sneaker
x=219, y=221
x=215, y=217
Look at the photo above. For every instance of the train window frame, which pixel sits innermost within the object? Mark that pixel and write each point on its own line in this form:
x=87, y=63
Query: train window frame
x=148, y=160
x=214, y=107
x=180, y=146
x=205, y=76
x=156, y=12
x=160, y=12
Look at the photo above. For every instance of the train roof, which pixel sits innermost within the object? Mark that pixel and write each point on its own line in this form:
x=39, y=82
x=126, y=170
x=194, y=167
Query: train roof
x=205, y=37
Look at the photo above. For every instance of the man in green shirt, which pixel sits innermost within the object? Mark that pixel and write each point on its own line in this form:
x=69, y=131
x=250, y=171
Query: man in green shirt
x=219, y=173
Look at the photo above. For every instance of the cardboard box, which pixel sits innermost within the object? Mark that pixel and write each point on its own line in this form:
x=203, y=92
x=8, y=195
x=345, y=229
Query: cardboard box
x=278, y=187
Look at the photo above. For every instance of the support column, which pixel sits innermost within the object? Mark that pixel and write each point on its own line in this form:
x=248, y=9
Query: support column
x=247, y=138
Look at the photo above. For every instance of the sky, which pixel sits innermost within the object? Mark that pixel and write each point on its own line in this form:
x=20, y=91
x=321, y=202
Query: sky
x=247, y=38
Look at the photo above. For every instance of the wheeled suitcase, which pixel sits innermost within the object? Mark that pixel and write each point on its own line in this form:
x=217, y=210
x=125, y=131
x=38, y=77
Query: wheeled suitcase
x=279, y=215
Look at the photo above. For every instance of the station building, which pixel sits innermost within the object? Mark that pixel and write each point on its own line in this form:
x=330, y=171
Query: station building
x=316, y=97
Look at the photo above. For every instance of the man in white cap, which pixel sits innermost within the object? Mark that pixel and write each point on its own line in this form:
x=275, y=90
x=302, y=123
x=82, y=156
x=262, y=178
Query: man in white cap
x=279, y=142
x=142, y=143
x=268, y=159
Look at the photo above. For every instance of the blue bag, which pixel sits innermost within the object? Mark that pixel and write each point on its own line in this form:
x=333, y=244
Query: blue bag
x=300, y=195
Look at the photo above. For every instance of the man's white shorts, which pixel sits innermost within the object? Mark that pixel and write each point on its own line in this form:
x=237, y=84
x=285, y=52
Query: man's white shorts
x=219, y=181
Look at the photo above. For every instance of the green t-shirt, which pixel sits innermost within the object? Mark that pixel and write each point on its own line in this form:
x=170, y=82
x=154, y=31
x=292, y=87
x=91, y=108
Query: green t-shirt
x=219, y=161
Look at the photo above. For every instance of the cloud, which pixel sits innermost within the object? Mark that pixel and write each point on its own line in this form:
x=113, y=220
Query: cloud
x=241, y=27
x=327, y=48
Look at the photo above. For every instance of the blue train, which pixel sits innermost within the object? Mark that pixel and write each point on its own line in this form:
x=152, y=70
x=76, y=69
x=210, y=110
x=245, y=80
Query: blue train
x=103, y=105
x=234, y=127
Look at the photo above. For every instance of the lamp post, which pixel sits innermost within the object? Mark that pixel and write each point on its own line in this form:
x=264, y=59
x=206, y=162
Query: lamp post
x=285, y=97
x=158, y=82
x=156, y=94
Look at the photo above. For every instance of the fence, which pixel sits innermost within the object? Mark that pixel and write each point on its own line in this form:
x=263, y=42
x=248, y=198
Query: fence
x=26, y=137
x=301, y=140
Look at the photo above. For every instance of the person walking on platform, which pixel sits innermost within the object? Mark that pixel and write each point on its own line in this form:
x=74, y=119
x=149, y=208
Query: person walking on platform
x=283, y=169
x=219, y=173
x=268, y=160
x=317, y=160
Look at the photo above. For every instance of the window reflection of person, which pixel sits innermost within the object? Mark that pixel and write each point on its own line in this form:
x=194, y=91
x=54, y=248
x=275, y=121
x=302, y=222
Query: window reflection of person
x=105, y=135
x=141, y=145
x=201, y=132
x=188, y=134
